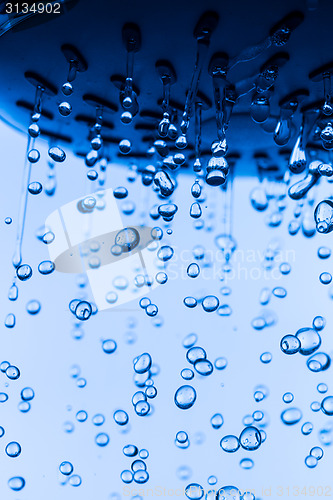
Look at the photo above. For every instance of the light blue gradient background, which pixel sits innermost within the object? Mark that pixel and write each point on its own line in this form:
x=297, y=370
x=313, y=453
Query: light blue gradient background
x=43, y=348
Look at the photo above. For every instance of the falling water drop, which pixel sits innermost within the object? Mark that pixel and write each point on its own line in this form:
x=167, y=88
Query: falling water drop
x=125, y=146
x=65, y=108
x=185, y=397
x=57, y=154
x=33, y=155
x=35, y=188
x=324, y=216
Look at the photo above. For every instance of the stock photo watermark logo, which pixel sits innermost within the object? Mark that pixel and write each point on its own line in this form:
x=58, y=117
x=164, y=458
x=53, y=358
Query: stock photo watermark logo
x=91, y=237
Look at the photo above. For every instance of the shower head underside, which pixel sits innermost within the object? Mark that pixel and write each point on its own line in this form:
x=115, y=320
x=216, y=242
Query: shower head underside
x=250, y=75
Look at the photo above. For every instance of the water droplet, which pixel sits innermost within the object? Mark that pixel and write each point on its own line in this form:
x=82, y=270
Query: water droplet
x=12, y=372
x=319, y=323
x=290, y=344
x=266, y=357
x=325, y=278
x=291, y=416
x=185, y=397
x=203, y=367
x=66, y=468
x=130, y=450
x=151, y=310
x=210, y=303
x=217, y=421
x=67, y=89
x=165, y=253
x=327, y=405
x=194, y=491
x=195, y=353
x=10, y=320
x=24, y=272
x=319, y=362
x=46, y=267
x=259, y=199
x=102, y=439
x=120, y=417
x=190, y=302
x=250, y=438
x=33, y=155
x=193, y=270
x=246, y=463
x=33, y=130
x=125, y=146
x=33, y=307
x=83, y=310
x=307, y=428
x=13, y=449
x=16, y=483
x=324, y=216
x=142, y=363
x=65, y=108
x=195, y=210
x=288, y=397
x=75, y=480
x=109, y=346
x=280, y=292
x=221, y=363
x=310, y=340
x=317, y=452
x=311, y=461
x=126, y=476
x=324, y=252
x=229, y=443
x=127, y=239
x=57, y=154
x=322, y=388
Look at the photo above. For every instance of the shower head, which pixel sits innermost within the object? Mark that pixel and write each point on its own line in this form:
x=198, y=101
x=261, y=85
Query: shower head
x=134, y=63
